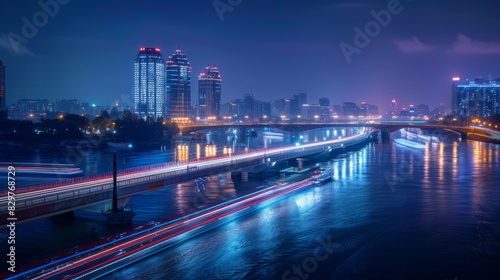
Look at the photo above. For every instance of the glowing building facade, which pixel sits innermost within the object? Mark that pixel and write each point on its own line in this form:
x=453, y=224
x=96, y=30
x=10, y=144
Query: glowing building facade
x=478, y=98
x=178, y=92
x=149, y=83
x=209, y=92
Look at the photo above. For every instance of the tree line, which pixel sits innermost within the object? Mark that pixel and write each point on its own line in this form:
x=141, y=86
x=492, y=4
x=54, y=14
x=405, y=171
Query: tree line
x=70, y=127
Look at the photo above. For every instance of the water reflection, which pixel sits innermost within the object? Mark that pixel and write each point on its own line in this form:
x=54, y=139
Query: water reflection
x=441, y=214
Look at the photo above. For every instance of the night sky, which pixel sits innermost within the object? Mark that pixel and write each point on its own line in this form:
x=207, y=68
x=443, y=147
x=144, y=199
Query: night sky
x=270, y=48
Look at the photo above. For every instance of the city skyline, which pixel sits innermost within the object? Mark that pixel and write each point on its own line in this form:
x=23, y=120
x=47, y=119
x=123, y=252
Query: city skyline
x=238, y=139
x=244, y=45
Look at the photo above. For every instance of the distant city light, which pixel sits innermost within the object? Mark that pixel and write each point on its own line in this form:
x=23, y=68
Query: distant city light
x=456, y=79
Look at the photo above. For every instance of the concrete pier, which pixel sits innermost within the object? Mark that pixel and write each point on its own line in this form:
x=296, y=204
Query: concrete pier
x=386, y=136
x=244, y=176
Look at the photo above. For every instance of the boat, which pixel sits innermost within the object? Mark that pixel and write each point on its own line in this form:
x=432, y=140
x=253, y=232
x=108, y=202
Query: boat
x=324, y=175
x=408, y=143
x=418, y=137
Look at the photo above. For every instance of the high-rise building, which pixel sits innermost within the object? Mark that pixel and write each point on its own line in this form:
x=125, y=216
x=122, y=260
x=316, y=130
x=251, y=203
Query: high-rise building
x=249, y=106
x=209, y=92
x=281, y=108
x=178, y=99
x=423, y=110
x=297, y=102
x=71, y=106
x=239, y=107
x=266, y=109
x=302, y=97
x=368, y=110
x=454, y=92
x=310, y=111
x=262, y=109
x=337, y=110
x=394, y=107
x=229, y=109
x=33, y=107
x=2, y=86
x=477, y=98
x=350, y=109
x=149, y=83
x=324, y=102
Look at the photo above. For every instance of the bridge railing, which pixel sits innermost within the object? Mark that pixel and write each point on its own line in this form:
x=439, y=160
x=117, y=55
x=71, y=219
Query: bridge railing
x=236, y=159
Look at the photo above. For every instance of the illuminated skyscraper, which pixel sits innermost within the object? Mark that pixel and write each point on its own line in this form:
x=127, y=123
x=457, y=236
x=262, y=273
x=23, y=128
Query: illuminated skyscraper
x=249, y=106
x=368, y=110
x=394, y=108
x=149, y=83
x=297, y=102
x=324, y=102
x=2, y=86
x=178, y=95
x=454, y=103
x=209, y=92
x=477, y=98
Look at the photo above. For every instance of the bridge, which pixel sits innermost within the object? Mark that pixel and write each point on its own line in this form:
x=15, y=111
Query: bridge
x=385, y=127
x=60, y=197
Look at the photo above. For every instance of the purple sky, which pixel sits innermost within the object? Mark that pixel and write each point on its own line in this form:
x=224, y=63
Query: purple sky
x=86, y=50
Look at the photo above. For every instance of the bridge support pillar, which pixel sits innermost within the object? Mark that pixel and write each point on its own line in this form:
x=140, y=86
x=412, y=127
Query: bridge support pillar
x=386, y=136
x=244, y=176
x=300, y=162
